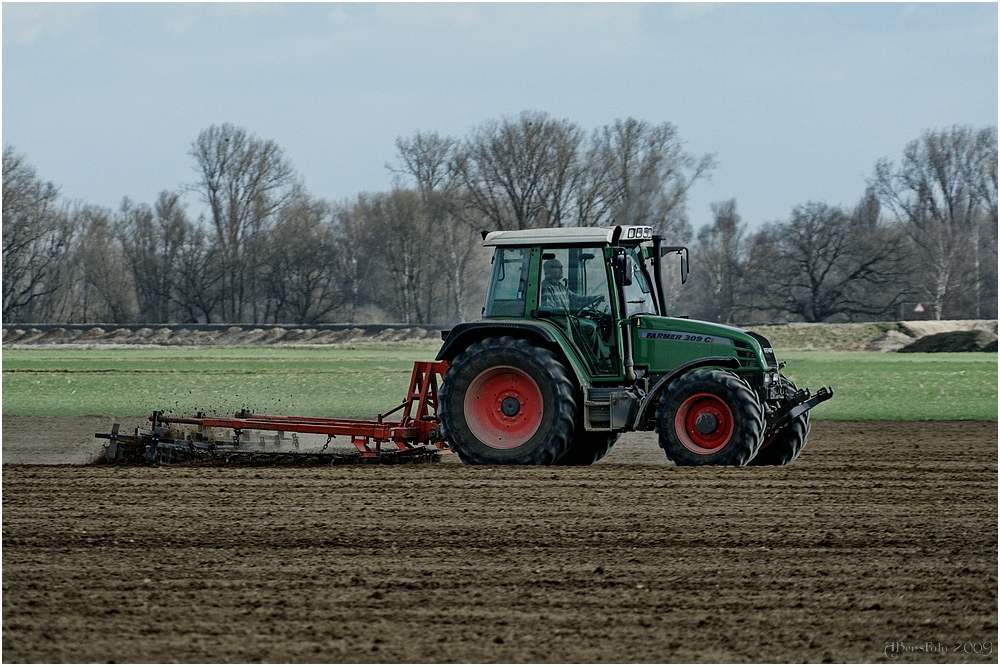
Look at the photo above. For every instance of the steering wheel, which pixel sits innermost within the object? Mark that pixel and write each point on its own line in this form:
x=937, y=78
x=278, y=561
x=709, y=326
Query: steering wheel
x=603, y=320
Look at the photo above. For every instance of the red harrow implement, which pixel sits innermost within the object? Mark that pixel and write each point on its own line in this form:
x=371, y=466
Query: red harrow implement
x=270, y=440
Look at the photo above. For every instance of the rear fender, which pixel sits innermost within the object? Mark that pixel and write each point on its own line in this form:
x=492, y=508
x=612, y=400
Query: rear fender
x=459, y=338
x=647, y=407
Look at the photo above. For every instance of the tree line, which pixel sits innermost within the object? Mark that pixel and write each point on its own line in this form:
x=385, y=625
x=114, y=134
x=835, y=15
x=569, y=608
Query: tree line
x=261, y=249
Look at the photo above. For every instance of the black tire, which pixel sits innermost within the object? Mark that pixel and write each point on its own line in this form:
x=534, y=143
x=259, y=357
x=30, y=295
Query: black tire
x=588, y=447
x=504, y=401
x=786, y=445
x=710, y=417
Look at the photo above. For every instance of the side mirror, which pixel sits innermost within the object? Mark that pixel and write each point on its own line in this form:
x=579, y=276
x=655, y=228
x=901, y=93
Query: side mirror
x=685, y=259
x=623, y=267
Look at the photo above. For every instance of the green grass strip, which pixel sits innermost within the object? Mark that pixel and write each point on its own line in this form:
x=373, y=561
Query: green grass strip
x=344, y=381
x=899, y=387
x=363, y=380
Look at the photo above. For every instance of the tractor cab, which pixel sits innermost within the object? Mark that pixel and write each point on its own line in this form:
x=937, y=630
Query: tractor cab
x=588, y=283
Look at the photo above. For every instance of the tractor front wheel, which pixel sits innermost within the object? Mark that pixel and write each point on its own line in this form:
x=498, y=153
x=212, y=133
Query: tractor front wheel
x=786, y=444
x=504, y=401
x=710, y=417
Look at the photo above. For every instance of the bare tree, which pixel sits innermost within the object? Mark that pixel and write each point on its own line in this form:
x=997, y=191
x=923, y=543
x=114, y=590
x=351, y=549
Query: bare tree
x=639, y=173
x=982, y=173
x=304, y=263
x=426, y=159
x=823, y=266
x=400, y=264
x=944, y=191
x=198, y=277
x=104, y=291
x=356, y=240
x=520, y=173
x=403, y=227
x=36, y=239
x=152, y=239
x=244, y=180
x=720, y=254
x=868, y=212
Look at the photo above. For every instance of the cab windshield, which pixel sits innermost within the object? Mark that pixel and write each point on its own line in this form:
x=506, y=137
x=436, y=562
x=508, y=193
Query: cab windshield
x=639, y=297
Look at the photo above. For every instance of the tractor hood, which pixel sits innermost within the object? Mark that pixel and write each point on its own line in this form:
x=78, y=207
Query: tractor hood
x=664, y=343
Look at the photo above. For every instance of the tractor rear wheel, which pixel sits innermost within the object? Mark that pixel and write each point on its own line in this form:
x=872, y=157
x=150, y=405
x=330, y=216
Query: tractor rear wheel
x=504, y=401
x=786, y=445
x=710, y=417
x=588, y=447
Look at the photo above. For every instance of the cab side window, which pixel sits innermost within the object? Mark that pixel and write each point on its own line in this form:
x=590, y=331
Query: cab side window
x=508, y=283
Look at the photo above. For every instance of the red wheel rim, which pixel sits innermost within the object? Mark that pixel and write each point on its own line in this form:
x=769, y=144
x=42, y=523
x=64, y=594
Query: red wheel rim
x=704, y=423
x=503, y=407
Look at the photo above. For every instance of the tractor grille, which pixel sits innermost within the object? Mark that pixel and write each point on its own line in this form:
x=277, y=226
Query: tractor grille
x=744, y=352
x=765, y=345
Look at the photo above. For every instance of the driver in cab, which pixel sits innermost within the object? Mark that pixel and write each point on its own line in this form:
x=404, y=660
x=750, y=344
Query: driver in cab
x=556, y=296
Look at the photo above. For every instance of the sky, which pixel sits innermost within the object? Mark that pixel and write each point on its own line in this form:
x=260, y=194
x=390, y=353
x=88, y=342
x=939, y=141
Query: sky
x=796, y=101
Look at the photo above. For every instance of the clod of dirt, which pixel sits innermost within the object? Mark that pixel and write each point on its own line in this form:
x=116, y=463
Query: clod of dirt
x=323, y=337
x=889, y=341
x=919, y=329
x=273, y=335
x=387, y=335
x=160, y=336
x=32, y=335
x=96, y=332
x=953, y=341
x=229, y=336
x=55, y=334
x=350, y=335
x=295, y=335
x=252, y=336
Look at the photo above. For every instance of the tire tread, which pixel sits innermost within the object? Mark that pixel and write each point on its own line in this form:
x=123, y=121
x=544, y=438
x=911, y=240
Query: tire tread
x=550, y=448
x=747, y=408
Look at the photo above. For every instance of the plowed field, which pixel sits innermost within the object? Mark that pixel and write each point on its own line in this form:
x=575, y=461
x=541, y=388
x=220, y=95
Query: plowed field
x=878, y=544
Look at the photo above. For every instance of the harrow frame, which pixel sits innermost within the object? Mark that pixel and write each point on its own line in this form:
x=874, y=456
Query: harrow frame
x=415, y=434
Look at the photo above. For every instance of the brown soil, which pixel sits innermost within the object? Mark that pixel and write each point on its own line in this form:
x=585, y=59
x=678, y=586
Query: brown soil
x=880, y=539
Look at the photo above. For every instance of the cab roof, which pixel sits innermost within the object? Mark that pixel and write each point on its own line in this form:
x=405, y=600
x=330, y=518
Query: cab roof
x=629, y=235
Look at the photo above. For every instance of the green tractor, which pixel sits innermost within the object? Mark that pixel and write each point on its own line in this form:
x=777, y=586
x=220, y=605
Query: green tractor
x=575, y=348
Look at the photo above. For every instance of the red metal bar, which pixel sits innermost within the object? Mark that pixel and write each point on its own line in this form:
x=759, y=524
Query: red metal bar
x=416, y=427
